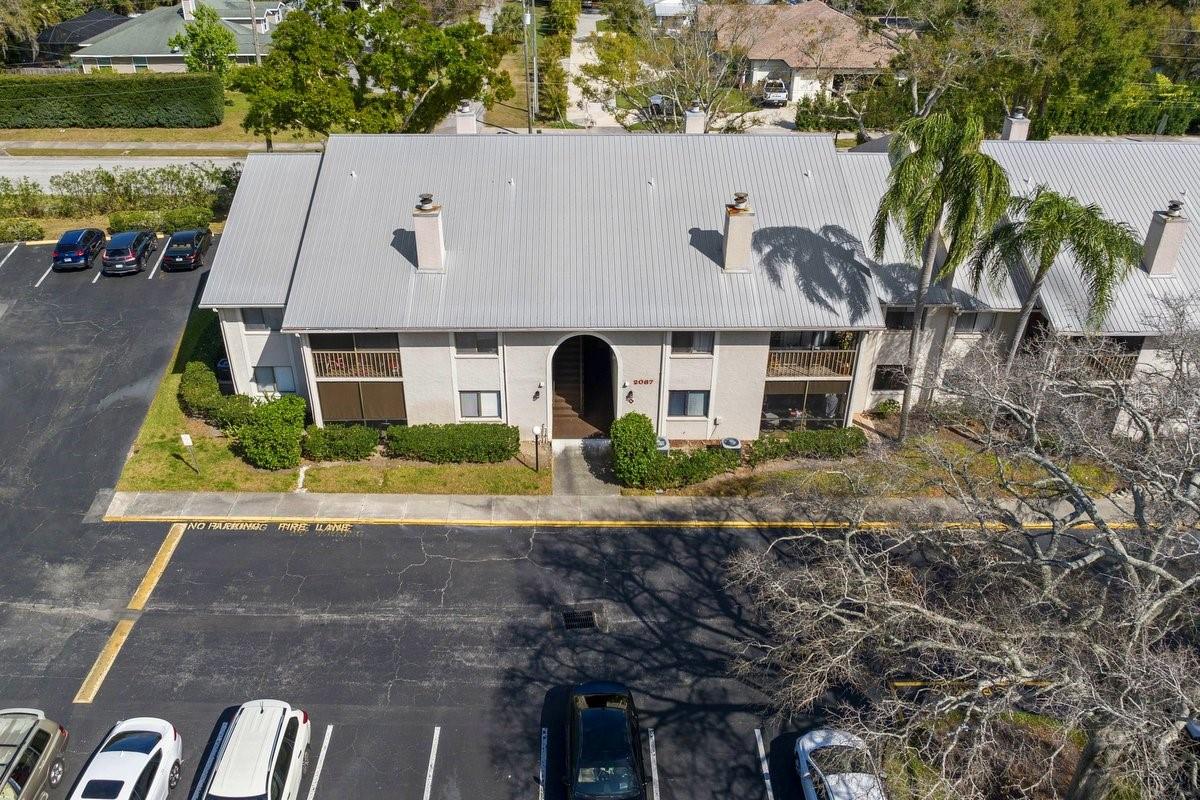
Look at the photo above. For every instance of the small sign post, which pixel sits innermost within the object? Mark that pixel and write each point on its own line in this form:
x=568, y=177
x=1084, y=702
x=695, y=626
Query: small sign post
x=186, y=440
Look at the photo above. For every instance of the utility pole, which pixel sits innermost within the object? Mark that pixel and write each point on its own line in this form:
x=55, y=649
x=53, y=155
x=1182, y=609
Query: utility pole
x=258, y=55
x=525, y=39
x=534, y=33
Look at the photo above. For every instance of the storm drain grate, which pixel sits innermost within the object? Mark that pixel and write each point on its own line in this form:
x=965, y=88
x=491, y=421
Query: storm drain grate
x=579, y=619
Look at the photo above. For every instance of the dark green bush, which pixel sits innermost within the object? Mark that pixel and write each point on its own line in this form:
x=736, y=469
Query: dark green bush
x=462, y=442
x=886, y=409
x=110, y=100
x=185, y=218
x=271, y=439
x=684, y=468
x=20, y=230
x=200, y=396
x=231, y=412
x=828, y=443
x=340, y=442
x=632, y=437
x=132, y=220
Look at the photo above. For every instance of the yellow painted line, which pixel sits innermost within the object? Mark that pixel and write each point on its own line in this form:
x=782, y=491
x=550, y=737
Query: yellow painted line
x=40, y=241
x=591, y=523
x=104, y=661
x=157, y=567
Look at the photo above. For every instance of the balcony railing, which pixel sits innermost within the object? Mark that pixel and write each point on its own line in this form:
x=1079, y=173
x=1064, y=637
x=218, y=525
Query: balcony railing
x=351, y=364
x=1112, y=366
x=810, y=363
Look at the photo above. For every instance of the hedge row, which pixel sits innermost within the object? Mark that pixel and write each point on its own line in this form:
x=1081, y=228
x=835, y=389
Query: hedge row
x=340, y=442
x=110, y=100
x=829, y=443
x=168, y=220
x=463, y=442
x=271, y=439
x=19, y=229
x=200, y=396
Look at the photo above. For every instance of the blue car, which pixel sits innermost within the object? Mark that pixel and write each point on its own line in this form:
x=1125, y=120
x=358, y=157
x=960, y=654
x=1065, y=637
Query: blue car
x=127, y=252
x=77, y=249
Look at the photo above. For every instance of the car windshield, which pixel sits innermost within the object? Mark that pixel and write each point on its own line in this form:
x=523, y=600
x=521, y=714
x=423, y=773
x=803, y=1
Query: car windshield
x=181, y=241
x=838, y=760
x=102, y=790
x=216, y=797
x=132, y=742
x=605, y=754
x=117, y=251
x=70, y=238
x=123, y=239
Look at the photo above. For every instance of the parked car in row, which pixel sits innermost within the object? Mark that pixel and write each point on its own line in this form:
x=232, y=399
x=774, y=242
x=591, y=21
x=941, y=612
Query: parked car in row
x=604, y=750
x=834, y=765
x=31, y=754
x=139, y=759
x=264, y=755
x=186, y=249
x=77, y=249
x=127, y=252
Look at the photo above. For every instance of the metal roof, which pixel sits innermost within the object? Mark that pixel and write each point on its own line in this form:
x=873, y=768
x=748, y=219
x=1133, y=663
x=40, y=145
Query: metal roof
x=254, y=263
x=148, y=34
x=567, y=233
x=1129, y=181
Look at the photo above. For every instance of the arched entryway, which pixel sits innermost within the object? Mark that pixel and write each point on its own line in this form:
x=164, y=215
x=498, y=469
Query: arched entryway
x=582, y=371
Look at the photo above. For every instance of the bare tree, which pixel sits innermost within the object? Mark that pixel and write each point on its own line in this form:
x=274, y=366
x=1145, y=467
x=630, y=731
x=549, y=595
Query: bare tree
x=1071, y=594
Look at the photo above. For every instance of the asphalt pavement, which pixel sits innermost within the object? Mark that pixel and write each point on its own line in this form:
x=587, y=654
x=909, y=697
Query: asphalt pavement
x=42, y=168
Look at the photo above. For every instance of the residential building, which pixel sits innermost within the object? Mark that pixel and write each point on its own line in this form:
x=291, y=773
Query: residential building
x=721, y=285
x=59, y=41
x=143, y=43
x=812, y=48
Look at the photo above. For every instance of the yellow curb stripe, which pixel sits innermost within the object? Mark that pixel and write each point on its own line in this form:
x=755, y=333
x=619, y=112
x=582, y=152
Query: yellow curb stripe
x=104, y=661
x=157, y=567
x=591, y=523
x=40, y=241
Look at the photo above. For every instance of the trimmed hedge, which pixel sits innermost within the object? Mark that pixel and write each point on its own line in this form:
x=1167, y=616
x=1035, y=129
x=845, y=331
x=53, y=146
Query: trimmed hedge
x=340, y=442
x=110, y=100
x=271, y=439
x=462, y=442
x=637, y=462
x=633, y=448
x=829, y=443
x=680, y=468
x=133, y=220
x=19, y=229
x=167, y=221
x=200, y=396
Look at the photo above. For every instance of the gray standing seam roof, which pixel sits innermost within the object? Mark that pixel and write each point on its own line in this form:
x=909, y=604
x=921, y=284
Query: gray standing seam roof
x=1129, y=181
x=253, y=266
x=580, y=233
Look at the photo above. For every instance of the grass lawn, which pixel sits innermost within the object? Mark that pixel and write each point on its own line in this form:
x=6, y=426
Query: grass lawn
x=418, y=478
x=230, y=130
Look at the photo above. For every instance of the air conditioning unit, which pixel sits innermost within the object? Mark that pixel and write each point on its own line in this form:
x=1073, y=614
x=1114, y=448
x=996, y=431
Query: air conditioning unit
x=731, y=443
x=662, y=444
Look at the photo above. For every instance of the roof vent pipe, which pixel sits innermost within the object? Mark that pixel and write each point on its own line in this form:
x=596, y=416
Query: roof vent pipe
x=739, y=234
x=1164, y=239
x=694, y=118
x=1016, y=126
x=427, y=230
x=465, y=120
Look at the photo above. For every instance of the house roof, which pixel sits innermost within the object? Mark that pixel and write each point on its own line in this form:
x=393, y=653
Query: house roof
x=1129, y=181
x=68, y=34
x=148, y=35
x=808, y=35
x=253, y=266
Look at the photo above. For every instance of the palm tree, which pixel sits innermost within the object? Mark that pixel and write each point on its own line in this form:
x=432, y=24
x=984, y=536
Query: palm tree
x=941, y=189
x=1038, y=229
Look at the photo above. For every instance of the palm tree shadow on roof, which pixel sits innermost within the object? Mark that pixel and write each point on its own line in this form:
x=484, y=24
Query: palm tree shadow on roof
x=829, y=266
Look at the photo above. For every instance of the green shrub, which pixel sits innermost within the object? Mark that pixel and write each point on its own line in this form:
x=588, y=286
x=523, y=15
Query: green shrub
x=185, y=218
x=885, y=409
x=24, y=197
x=271, y=439
x=684, y=468
x=200, y=396
x=632, y=437
x=462, y=442
x=340, y=442
x=132, y=220
x=19, y=229
x=232, y=411
x=828, y=443
x=110, y=100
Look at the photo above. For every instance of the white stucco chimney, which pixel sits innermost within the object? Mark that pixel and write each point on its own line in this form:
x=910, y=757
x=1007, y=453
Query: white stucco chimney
x=431, y=242
x=189, y=10
x=465, y=120
x=739, y=233
x=1163, y=240
x=693, y=118
x=1016, y=126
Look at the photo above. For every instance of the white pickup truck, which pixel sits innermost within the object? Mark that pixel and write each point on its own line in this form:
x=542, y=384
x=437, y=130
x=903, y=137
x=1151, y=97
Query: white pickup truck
x=774, y=94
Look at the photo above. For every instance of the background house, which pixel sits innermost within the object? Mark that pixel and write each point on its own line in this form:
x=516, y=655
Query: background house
x=60, y=41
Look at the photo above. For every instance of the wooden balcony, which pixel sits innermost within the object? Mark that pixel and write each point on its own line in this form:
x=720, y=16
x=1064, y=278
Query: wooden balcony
x=1113, y=366
x=351, y=364
x=810, y=364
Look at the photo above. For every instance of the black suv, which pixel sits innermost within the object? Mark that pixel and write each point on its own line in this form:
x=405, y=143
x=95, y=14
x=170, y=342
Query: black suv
x=186, y=249
x=77, y=249
x=127, y=252
x=604, y=745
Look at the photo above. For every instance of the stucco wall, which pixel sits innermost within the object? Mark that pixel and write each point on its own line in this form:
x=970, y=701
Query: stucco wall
x=247, y=349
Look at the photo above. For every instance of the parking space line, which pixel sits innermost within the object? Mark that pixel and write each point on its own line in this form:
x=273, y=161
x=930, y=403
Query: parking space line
x=161, y=253
x=437, y=734
x=763, y=764
x=157, y=567
x=99, y=272
x=208, y=762
x=95, y=677
x=542, y=766
x=44, y=274
x=653, y=765
x=9, y=254
x=312, y=789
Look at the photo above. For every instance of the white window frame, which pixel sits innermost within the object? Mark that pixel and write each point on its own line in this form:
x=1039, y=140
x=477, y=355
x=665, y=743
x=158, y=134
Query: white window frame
x=460, y=352
x=692, y=352
x=479, y=404
x=272, y=388
x=266, y=313
x=688, y=402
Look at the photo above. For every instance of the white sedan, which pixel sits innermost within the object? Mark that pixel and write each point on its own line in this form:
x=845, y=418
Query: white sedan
x=834, y=765
x=139, y=760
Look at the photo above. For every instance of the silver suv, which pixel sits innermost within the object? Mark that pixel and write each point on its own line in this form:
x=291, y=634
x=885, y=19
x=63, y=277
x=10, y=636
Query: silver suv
x=31, y=751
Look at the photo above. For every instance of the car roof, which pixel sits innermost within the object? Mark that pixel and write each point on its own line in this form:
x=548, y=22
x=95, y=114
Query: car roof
x=123, y=238
x=601, y=687
x=826, y=737
x=853, y=786
x=184, y=236
x=122, y=765
x=245, y=764
x=73, y=235
x=15, y=725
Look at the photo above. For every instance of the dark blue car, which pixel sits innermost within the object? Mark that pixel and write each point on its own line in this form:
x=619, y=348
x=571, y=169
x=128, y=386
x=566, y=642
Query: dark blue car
x=77, y=249
x=604, y=749
x=127, y=252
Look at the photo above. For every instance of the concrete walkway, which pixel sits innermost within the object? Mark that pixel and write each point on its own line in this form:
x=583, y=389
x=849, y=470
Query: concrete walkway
x=581, y=112
x=584, y=469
